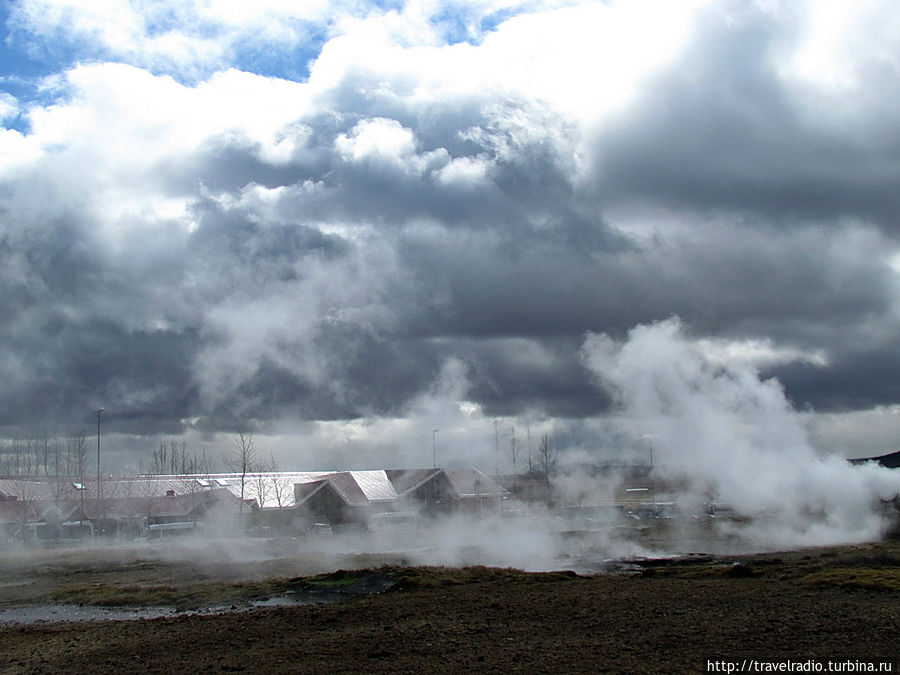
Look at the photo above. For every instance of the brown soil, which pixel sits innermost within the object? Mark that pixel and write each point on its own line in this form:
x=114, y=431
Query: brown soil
x=661, y=617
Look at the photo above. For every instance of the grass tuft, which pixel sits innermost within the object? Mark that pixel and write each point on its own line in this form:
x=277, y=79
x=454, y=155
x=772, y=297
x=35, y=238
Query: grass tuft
x=877, y=579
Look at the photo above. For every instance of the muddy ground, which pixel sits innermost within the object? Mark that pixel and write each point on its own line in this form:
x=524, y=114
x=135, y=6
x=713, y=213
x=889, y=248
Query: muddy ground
x=649, y=616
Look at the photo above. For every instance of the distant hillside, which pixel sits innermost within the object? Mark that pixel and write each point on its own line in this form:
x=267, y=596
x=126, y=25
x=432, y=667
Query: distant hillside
x=890, y=460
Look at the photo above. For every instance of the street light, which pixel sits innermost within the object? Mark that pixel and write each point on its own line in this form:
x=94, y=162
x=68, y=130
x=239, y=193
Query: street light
x=433, y=450
x=99, y=489
x=649, y=438
x=80, y=488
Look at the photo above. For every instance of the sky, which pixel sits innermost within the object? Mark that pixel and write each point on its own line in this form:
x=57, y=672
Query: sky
x=346, y=224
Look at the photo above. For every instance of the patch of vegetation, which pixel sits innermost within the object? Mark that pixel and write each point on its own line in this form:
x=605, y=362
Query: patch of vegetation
x=437, y=577
x=337, y=579
x=877, y=578
x=181, y=596
x=389, y=577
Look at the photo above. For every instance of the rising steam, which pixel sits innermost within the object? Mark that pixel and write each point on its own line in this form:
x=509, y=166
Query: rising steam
x=734, y=437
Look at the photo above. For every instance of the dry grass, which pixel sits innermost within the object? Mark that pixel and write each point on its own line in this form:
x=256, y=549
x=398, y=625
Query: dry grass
x=132, y=578
x=871, y=578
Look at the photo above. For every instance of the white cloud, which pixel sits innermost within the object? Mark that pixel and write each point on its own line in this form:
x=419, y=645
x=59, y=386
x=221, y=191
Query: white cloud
x=758, y=353
x=15, y=150
x=589, y=60
x=841, y=39
x=464, y=172
x=377, y=140
x=186, y=37
x=9, y=106
x=120, y=130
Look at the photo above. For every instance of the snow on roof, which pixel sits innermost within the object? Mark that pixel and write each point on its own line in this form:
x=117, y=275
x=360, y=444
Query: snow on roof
x=348, y=489
x=27, y=488
x=269, y=489
x=376, y=485
x=472, y=483
x=407, y=480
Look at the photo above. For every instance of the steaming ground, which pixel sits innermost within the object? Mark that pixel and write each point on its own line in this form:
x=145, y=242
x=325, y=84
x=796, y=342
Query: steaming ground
x=733, y=437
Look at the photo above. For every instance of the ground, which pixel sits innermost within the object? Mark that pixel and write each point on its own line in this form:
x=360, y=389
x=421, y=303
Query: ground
x=653, y=616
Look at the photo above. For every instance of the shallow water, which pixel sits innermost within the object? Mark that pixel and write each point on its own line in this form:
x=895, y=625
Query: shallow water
x=62, y=613
x=40, y=614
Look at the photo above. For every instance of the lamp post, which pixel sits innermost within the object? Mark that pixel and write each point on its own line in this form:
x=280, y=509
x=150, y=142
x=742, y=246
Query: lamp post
x=99, y=485
x=433, y=448
x=80, y=488
x=649, y=438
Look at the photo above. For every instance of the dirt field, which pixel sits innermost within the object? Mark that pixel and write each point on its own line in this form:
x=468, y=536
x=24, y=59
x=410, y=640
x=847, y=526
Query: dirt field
x=658, y=616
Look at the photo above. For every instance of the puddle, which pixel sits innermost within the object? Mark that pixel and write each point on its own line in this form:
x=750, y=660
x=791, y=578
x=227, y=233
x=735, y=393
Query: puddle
x=43, y=614
x=64, y=613
x=293, y=600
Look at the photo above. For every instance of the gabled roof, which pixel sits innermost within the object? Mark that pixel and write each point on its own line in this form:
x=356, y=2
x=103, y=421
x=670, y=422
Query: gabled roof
x=16, y=511
x=303, y=492
x=472, y=483
x=408, y=480
x=57, y=510
x=27, y=488
x=342, y=484
x=347, y=488
x=186, y=505
x=464, y=482
x=375, y=485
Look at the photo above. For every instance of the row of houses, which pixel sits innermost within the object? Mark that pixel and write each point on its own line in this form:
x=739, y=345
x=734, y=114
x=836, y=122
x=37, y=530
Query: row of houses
x=158, y=505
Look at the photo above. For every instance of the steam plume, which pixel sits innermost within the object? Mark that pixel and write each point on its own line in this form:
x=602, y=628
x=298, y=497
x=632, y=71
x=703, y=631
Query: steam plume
x=736, y=438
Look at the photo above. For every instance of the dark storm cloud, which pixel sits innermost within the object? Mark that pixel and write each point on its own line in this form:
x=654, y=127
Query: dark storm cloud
x=855, y=380
x=73, y=368
x=402, y=232
x=512, y=376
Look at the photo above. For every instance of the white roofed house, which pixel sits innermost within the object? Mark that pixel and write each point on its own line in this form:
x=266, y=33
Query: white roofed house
x=344, y=498
x=448, y=491
x=355, y=497
x=14, y=516
x=279, y=501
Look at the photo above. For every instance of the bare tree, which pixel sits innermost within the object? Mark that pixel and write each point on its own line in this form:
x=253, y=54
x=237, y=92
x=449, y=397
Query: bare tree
x=173, y=459
x=76, y=454
x=198, y=464
x=514, y=450
x=280, y=490
x=530, y=457
x=17, y=452
x=43, y=445
x=242, y=458
x=25, y=457
x=176, y=458
x=261, y=482
x=546, y=462
x=146, y=504
x=160, y=460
